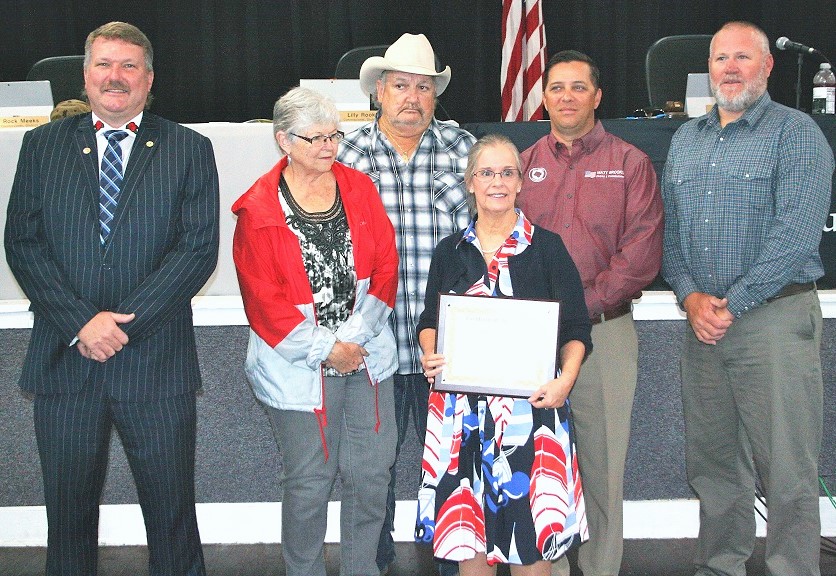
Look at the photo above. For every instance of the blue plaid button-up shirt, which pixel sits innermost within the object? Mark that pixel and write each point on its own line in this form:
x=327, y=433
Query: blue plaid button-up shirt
x=425, y=200
x=745, y=204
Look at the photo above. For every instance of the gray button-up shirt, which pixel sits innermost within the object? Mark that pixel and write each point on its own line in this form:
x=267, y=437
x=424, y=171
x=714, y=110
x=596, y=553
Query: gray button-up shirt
x=745, y=204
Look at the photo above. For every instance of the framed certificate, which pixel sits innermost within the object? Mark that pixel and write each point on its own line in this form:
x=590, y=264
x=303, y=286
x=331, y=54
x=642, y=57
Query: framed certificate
x=496, y=346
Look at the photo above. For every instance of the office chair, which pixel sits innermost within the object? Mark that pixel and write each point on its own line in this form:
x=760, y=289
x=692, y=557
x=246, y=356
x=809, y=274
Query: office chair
x=65, y=75
x=348, y=66
x=669, y=61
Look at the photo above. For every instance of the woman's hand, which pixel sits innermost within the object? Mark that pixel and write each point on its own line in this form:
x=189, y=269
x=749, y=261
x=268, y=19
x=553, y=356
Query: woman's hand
x=553, y=394
x=432, y=364
x=346, y=357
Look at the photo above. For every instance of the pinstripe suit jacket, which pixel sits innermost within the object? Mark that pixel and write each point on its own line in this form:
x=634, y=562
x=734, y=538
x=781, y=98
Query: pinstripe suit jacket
x=162, y=249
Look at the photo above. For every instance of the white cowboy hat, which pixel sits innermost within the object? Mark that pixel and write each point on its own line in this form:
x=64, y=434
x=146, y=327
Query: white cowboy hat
x=410, y=53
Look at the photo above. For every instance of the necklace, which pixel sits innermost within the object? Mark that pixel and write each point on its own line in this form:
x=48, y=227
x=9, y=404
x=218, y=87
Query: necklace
x=403, y=153
x=311, y=217
x=491, y=251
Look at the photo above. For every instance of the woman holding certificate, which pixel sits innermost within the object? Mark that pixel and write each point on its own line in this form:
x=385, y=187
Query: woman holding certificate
x=500, y=482
x=318, y=269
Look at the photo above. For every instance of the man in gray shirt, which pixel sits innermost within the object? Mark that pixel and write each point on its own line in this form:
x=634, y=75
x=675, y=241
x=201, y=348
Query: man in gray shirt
x=746, y=191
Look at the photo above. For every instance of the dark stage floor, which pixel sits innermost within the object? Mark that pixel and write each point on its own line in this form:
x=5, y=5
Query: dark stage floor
x=641, y=558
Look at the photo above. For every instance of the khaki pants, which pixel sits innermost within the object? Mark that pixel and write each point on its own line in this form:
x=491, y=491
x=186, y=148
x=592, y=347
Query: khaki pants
x=602, y=406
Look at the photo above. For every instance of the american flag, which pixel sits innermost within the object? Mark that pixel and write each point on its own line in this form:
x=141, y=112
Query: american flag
x=523, y=59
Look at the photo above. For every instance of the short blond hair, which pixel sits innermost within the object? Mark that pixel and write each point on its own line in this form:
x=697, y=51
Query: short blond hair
x=121, y=31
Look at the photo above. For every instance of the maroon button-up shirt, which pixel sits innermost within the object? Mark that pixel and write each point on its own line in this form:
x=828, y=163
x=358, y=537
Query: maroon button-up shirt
x=604, y=201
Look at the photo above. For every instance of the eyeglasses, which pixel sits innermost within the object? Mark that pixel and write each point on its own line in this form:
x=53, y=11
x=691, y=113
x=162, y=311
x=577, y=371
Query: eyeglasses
x=641, y=113
x=320, y=140
x=487, y=175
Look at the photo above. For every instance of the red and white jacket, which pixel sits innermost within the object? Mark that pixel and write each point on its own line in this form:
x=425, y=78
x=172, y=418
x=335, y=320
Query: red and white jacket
x=287, y=346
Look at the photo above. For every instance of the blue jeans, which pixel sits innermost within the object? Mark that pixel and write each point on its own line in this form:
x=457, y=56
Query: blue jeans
x=411, y=394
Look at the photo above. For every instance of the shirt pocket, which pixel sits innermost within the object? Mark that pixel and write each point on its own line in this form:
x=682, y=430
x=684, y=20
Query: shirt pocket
x=601, y=203
x=688, y=189
x=448, y=192
x=747, y=190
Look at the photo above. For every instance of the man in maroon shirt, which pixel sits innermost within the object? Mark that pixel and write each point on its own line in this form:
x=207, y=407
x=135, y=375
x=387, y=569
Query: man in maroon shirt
x=602, y=196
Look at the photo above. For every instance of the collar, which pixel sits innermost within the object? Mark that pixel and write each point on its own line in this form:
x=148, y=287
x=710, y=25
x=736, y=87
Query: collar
x=521, y=233
x=262, y=198
x=587, y=143
x=132, y=126
x=750, y=117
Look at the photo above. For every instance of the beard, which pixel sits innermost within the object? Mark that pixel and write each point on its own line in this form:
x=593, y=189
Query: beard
x=751, y=92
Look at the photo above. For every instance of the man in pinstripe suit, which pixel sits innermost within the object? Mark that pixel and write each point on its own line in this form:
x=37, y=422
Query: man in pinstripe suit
x=113, y=342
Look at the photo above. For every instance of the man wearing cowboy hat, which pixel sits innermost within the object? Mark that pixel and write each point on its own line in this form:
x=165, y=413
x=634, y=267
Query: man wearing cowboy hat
x=418, y=166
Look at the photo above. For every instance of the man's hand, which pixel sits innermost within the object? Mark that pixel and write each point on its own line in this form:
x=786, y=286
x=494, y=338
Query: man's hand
x=708, y=315
x=101, y=337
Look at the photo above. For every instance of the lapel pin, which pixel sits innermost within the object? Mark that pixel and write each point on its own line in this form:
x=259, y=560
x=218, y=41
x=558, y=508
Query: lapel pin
x=87, y=150
x=149, y=144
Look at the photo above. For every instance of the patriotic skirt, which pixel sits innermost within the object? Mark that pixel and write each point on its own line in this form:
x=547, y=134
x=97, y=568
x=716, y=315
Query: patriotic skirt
x=499, y=477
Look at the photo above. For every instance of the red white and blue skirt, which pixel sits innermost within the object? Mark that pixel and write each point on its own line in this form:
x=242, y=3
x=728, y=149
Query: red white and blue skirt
x=499, y=477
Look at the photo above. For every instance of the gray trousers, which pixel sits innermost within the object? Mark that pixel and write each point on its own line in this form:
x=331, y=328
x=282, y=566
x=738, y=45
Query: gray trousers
x=753, y=408
x=602, y=407
x=360, y=436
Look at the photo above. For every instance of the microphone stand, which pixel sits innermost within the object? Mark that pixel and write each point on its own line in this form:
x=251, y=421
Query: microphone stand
x=798, y=82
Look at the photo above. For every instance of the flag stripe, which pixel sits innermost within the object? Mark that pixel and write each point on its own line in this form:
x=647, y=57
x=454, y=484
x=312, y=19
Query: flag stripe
x=523, y=59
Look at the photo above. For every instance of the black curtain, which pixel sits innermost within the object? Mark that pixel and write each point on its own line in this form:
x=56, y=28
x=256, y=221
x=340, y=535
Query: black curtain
x=230, y=60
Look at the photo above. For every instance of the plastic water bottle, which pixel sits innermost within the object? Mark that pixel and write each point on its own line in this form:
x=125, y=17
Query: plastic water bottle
x=824, y=90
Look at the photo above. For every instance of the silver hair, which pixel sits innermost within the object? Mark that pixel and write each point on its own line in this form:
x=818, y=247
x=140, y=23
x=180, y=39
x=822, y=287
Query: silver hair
x=301, y=108
x=756, y=30
x=486, y=141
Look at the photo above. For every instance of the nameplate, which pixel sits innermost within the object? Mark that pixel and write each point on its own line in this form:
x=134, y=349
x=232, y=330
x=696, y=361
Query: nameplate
x=357, y=115
x=22, y=121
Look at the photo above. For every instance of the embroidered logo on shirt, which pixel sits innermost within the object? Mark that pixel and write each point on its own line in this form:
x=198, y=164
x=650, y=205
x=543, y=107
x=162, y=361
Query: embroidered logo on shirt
x=603, y=174
x=537, y=174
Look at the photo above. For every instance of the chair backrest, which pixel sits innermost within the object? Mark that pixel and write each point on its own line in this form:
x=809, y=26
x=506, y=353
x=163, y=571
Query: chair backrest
x=669, y=61
x=65, y=75
x=348, y=66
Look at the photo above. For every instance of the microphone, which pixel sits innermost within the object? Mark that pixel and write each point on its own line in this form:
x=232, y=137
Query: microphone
x=784, y=43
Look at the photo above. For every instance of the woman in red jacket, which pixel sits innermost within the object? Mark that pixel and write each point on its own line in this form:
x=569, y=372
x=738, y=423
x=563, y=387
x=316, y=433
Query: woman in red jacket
x=317, y=266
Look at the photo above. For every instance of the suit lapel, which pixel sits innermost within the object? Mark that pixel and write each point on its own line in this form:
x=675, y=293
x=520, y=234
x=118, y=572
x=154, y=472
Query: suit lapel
x=145, y=146
x=87, y=150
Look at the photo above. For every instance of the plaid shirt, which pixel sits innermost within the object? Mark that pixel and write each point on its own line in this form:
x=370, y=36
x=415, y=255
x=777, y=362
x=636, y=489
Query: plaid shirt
x=745, y=205
x=425, y=199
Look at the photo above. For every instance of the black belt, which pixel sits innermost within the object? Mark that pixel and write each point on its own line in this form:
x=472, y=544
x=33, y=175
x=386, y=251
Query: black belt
x=792, y=290
x=617, y=312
